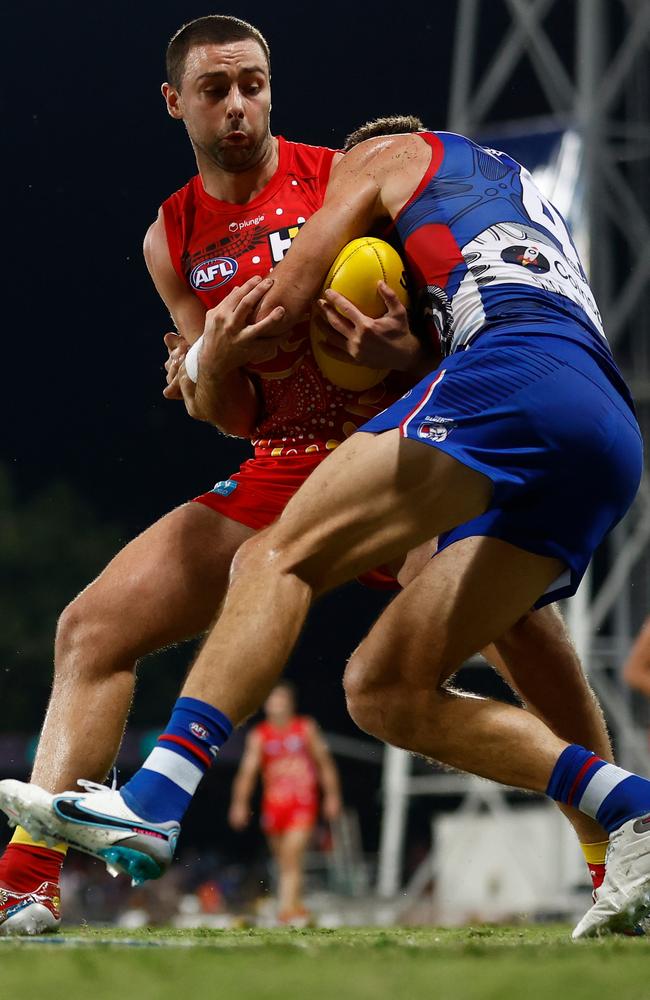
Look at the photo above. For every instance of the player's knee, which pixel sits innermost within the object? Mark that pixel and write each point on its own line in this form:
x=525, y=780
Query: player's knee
x=383, y=703
x=72, y=635
x=378, y=715
x=271, y=554
x=365, y=696
x=82, y=636
x=253, y=556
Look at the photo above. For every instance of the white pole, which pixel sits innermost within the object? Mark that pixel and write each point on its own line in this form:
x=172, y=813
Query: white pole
x=395, y=796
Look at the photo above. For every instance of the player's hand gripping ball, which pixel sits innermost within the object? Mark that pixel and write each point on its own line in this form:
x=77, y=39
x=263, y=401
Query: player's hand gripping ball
x=355, y=273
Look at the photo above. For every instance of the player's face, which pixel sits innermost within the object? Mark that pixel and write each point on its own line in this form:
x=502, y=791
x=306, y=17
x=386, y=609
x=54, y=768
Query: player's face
x=279, y=705
x=225, y=101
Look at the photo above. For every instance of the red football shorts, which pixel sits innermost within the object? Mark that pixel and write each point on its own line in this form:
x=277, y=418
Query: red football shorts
x=281, y=817
x=259, y=492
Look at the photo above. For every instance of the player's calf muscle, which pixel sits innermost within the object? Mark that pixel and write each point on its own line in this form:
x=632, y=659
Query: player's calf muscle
x=541, y=663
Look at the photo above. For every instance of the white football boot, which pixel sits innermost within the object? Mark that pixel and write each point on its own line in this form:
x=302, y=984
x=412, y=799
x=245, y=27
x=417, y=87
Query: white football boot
x=97, y=822
x=30, y=913
x=622, y=902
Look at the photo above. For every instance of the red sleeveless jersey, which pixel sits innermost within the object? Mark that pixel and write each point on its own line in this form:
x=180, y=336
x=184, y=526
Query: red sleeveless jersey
x=216, y=244
x=288, y=769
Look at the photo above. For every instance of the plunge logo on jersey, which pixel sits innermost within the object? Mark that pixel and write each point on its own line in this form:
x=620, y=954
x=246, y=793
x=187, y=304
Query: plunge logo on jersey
x=212, y=273
x=281, y=239
x=236, y=227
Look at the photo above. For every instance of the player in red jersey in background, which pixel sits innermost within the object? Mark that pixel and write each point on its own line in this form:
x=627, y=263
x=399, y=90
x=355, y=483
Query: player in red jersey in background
x=292, y=757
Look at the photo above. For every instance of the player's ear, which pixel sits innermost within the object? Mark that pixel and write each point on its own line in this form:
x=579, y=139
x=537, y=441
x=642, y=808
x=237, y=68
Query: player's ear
x=172, y=99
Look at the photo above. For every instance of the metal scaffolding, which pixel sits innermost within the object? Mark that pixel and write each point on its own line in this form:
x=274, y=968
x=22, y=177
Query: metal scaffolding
x=597, y=88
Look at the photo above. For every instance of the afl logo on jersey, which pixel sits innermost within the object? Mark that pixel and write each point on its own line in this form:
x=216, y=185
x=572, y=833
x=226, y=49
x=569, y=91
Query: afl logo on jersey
x=212, y=273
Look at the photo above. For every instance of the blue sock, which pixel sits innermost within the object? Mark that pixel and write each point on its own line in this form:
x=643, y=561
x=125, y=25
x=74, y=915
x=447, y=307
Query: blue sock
x=609, y=794
x=163, y=787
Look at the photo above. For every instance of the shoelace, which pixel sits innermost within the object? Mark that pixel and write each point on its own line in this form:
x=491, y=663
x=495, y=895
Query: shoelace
x=95, y=786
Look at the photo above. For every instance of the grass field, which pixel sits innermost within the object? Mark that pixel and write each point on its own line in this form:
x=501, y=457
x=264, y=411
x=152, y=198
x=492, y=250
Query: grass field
x=501, y=962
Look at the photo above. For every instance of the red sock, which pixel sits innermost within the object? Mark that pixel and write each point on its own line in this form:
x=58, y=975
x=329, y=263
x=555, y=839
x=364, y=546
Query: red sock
x=597, y=873
x=23, y=868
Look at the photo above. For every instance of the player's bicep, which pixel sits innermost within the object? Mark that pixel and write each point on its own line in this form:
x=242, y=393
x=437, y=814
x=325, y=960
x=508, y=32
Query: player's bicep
x=350, y=207
x=185, y=309
x=352, y=198
x=354, y=201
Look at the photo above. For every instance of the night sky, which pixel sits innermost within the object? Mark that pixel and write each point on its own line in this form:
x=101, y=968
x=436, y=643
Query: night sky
x=92, y=155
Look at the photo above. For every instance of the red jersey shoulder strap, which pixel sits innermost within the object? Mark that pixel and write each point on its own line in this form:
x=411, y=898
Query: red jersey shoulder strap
x=178, y=212
x=312, y=166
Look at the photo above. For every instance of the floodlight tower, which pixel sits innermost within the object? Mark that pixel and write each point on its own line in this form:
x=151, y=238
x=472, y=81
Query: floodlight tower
x=599, y=88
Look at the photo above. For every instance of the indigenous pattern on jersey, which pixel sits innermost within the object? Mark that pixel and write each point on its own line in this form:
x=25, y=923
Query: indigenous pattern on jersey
x=215, y=245
x=288, y=768
x=486, y=249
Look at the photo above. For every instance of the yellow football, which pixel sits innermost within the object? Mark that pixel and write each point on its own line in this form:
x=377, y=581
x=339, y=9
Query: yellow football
x=355, y=274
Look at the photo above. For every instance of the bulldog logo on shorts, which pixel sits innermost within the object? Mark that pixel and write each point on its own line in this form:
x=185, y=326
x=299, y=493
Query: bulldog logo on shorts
x=436, y=428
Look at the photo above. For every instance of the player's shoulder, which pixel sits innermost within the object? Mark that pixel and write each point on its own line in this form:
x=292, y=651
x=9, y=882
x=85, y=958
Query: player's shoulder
x=156, y=231
x=305, y=724
x=177, y=203
x=258, y=736
x=155, y=247
x=385, y=150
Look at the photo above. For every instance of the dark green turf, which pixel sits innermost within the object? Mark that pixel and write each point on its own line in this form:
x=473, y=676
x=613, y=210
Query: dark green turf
x=521, y=962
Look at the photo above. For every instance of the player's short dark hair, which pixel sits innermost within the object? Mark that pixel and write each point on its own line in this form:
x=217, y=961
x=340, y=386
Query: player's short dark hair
x=215, y=29
x=390, y=125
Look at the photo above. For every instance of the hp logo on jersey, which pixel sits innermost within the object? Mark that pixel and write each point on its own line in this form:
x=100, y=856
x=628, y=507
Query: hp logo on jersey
x=212, y=273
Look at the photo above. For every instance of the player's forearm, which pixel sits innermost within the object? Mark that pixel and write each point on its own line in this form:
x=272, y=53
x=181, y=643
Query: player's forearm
x=329, y=779
x=242, y=790
x=297, y=282
x=228, y=400
x=299, y=277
